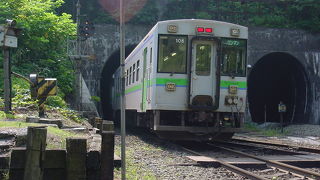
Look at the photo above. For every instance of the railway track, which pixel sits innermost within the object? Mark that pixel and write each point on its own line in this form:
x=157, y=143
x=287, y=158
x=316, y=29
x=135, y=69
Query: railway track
x=291, y=147
x=271, y=158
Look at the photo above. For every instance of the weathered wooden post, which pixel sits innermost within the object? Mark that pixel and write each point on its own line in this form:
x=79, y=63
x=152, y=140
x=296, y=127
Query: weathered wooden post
x=107, y=150
x=76, y=158
x=35, y=154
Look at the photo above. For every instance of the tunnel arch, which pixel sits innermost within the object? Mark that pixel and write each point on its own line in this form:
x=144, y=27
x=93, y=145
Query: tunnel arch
x=278, y=77
x=106, y=81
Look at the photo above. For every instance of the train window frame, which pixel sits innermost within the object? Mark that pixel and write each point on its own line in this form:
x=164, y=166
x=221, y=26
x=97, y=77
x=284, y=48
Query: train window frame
x=244, y=49
x=199, y=71
x=133, y=72
x=186, y=53
x=138, y=69
x=130, y=73
x=127, y=75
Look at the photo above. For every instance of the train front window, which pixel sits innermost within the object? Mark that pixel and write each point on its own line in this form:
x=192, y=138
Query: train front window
x=172, y=54
x=203, y=59
x=233, y=57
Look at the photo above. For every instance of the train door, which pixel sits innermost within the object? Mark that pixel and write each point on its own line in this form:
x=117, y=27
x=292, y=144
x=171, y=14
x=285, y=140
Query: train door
x=149, y=68
x=144, y=81
x=203, y=77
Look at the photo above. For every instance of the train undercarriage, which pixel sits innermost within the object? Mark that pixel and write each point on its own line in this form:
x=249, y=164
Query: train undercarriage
x=188, y=125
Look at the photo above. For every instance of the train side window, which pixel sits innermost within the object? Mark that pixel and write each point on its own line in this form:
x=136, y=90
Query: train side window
x=150, y=55
x=233, y=57
x=133, y=72
x=127, y=82
x=138, y=68
x=130, y=73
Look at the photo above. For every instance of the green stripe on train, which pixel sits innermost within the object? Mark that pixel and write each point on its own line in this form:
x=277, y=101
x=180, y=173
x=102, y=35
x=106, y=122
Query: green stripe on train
x=240, y=84
x=179, y=82
x=158, y=81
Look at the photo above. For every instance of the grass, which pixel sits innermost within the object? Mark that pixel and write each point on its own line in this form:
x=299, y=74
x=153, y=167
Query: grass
x=266, y=131
x=56, y=138
x=134, y=171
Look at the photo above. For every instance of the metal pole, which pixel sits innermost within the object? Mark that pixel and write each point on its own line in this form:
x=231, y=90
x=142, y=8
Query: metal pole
x=7, y=80
x=78, y=60
x=122, y=97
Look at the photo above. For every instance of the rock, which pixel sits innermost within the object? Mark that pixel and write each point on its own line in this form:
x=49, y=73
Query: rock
x=77, y=130
x=58, y=122
x=32, y=119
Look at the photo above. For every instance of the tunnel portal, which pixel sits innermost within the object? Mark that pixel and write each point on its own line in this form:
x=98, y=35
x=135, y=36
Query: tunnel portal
x=109, y=68
x=277, y=77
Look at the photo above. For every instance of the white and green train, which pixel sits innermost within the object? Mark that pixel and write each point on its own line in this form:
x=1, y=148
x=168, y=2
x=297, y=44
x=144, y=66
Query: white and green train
x=187, y=78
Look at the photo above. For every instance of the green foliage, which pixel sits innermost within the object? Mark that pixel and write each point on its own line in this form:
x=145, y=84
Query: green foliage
x=2, y=115
x=266, y=131
x=21, y=94
x=303, y=14
x=42, y=44
x=95, y=98
x=69, y=114
x=5, y=175
x=56, y=101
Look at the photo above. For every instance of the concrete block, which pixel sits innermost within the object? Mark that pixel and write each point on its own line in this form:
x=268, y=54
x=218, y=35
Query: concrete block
x=77, y=130
x=32, y=119
x=93, y=160
x=76, y=158
x=21, y=140
x=54, y=174
x=55, y=159
x=15, y=174
x=4, y=162
x=18, y=158
x=58, y=122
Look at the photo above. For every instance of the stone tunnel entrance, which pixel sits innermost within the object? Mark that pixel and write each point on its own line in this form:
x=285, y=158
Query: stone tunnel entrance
x=106, y=81
x=277, y=77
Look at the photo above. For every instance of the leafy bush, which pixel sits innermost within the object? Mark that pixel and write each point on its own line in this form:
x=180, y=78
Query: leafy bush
x=56, y=101
x=95, y=98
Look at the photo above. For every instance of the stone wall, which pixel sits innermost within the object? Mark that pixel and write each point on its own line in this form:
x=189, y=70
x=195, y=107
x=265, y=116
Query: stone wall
x=304, y=46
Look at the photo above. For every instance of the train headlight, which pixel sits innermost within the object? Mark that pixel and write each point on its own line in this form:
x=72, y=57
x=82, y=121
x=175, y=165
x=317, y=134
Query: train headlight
x=235, y=100
x=229, y=100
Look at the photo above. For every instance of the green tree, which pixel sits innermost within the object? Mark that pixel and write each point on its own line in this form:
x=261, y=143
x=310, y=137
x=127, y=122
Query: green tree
x=301, y=14
x=42, y=44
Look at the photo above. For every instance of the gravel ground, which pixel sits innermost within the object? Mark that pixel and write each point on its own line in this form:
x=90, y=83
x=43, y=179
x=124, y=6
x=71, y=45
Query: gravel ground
x=168, y=161
x=300, y=135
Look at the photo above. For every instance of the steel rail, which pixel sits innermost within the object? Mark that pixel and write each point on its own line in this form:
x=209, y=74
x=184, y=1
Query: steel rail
x=252, y=144
x=279, y=165
x=230, y=167
x=298, y=148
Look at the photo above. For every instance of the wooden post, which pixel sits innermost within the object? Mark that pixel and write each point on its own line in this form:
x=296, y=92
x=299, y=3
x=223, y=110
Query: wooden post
x=106, y=126
x=36, y=146
x=107, y=152
x=76, y=158
x=7, y=80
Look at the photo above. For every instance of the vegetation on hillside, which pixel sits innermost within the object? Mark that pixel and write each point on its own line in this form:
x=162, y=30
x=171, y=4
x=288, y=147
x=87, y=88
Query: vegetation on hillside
x=300, y=14
x=42, y=42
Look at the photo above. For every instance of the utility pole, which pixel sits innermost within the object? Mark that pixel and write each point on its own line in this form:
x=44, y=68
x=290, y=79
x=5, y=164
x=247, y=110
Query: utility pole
x=122, y=97
x=7, y=80
x=8, y=39
x=78, y=61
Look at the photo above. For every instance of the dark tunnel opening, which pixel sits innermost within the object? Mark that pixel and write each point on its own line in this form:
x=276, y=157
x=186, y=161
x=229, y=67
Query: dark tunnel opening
x=277, y=77
x=111, y=65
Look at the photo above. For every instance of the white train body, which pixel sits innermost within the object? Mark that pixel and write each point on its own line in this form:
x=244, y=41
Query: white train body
x=187, y=75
